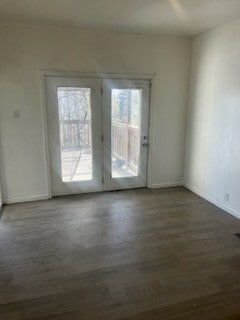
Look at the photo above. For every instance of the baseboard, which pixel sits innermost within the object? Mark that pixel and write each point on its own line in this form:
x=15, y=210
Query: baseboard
x=25, y=199
x=213, y=201
x=167, y=185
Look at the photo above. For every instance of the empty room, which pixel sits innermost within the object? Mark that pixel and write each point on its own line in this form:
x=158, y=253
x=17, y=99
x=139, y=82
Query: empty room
x=119, y=160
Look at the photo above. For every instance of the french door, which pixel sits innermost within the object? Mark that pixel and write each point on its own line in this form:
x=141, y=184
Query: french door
x=98, y=134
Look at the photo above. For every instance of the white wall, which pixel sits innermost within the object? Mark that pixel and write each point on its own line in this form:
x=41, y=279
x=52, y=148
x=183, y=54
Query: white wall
x=27, y=49
x=1, y=195
x=213, y=141
x=1, y=200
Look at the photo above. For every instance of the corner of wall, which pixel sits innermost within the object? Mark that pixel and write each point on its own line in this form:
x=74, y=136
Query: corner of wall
x=231, y=211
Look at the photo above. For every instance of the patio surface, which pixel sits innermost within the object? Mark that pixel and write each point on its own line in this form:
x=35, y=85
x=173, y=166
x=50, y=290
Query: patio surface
x=79, y=168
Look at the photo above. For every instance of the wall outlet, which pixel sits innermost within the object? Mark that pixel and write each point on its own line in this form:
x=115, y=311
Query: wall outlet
x=226, y=197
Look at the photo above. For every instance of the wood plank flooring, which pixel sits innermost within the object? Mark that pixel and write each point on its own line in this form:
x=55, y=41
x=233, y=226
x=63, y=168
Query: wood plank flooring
x=129, y=255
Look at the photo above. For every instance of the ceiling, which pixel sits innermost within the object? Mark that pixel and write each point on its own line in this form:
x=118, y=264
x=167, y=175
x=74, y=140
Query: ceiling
x=160, y=17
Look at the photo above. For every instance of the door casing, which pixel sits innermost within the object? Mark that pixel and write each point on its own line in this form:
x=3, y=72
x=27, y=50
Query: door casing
x=90, y=75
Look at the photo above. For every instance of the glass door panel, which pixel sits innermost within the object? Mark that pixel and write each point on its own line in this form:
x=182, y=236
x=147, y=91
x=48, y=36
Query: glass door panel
x=125, y=132
x=75, y=130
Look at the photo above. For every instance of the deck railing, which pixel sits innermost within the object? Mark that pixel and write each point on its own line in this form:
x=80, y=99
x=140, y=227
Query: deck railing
x=75, y=134
x=125, y=143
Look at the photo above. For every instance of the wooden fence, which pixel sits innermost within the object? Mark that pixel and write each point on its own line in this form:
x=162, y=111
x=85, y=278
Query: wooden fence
x=76, y=134
x=125, y=143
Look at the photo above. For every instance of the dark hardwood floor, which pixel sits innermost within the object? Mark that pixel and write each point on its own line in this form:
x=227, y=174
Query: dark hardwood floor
x=130, y=255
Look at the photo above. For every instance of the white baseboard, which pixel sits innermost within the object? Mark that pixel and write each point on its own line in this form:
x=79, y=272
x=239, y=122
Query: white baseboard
x=167, y=185
x=213, y=201
x=26, y=199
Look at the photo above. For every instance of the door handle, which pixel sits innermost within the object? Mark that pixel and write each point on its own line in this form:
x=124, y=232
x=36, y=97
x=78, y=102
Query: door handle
x=145, y=145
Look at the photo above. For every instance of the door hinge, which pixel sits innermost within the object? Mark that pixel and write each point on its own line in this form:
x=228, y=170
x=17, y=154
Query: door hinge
x=102, y=138
x=150, y=85
x=101, y=91
x=102, y=180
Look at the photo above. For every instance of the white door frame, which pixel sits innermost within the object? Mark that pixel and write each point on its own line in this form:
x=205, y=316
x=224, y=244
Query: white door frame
x=139, y=180
x=60, y=187
x=69, y=74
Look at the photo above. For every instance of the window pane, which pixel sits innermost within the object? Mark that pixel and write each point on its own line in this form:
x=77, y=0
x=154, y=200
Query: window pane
x=126, y=111
x=74, y=107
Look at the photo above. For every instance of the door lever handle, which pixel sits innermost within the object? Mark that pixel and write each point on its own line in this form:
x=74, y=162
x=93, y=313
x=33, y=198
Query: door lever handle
x=145, y=145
